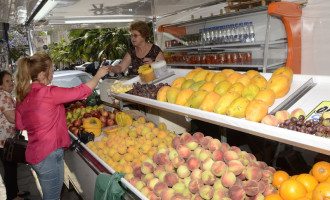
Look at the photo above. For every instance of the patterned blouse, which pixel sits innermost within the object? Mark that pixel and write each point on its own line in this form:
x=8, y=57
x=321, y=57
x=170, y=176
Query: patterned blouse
x=137, y=62
x=7, y=129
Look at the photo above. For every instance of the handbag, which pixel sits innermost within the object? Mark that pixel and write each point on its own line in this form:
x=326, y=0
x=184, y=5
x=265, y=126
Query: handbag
x=14, y=148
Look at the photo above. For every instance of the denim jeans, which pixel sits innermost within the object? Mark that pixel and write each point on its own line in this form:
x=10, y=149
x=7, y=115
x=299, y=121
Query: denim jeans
x=50, y=173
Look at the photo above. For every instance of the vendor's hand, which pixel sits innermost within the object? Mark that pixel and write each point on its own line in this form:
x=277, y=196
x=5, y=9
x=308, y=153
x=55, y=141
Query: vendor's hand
x=147, y=60
x=104, y=70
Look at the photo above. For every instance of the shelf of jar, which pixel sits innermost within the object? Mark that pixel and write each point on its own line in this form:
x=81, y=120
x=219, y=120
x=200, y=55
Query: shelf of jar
x=225, y=46
x=256, y=63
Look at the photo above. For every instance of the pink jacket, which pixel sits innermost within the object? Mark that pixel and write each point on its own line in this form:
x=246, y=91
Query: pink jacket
x=42, y=114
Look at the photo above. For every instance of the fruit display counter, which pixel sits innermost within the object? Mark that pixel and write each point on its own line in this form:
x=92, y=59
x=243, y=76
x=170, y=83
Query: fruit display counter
x=301, y=84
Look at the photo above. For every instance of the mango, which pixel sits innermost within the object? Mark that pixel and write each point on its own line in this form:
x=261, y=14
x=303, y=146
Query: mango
x=228, y=72
x=238, y=107
x=222, y=87
x=183, y=96
x=161, y=94
x=280, y=84
x=197, y=85
x=209, y=101
x=171, y=94
x=196, y=99
x=187, y=84
x=222, y=105
x=201, y=75
x=192, y=73
x=178, y=82
x=256, y=110
x=219, y=77
x=208, y=86
x=210, y=75
x=250, y=91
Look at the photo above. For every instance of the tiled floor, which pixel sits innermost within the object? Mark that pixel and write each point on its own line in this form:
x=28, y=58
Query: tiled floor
x=27, y=181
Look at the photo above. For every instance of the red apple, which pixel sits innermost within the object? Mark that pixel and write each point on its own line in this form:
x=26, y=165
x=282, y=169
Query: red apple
x=103, y=119
x=86, y=115
x=77, y=122
x=105, y=113
x=110, y=122
x=103, y=124
x=96, y=114
x=75, y=131
x=71, y=128
x=115, y=111
x=112, y=116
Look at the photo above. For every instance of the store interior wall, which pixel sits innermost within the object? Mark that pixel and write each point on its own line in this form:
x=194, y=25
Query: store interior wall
x=316, y=38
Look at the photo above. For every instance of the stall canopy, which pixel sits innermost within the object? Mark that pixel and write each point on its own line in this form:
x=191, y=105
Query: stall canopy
x=48, y=14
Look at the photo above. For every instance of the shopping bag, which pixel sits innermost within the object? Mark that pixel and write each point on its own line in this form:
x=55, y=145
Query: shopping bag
x=14, y=148
x=108, y=187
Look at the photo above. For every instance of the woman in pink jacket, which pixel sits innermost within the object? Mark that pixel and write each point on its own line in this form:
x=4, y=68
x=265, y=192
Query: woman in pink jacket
x=40, y=111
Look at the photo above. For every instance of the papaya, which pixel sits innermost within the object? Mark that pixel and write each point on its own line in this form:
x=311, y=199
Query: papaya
x=208, y=86
x=196, y=99
x=256, y=110
x=259, y=81
x=210, y=75
x=284, y=71
x=178, y=82
x=222, y=105
x=250, y=91
x=222, y=87
x=197, y=85
x=161, y=94
x=232, y=78
x=192, y=73
x=171, y=94
x=280, y=84
x=201, y=75
x=183, y=96
x=187, y=84
x=123, y=119
x=209, y=101
x=219, y=77
x=251, y=73
x=228, y=72
x=238, y=107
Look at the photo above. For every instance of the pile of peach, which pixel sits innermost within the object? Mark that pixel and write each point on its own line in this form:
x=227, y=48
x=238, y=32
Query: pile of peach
x=198, y=167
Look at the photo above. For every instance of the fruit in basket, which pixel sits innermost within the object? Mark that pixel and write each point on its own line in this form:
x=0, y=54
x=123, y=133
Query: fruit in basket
x=209, y=101
x=266, y=95
x=279, y=177
x=256, y=110
x=280, y=84
x=93, y=124
x=219, y=77
x=178, y=82
x=196, y=85
x=196, y=99
x=270, y=120
x=284, y=71
x=292, y=189
x=259, y=81
x=123, y=119
x=161, y=94
x=183, y=96
x=308, y=181
x=192, y=73
x=110, y=130
x=207, y=86
x=222, y=105
x=172, y=94
x=321, y=170
x=238, y=107
x=297, y=112
x=222, y=87
x=187, y=84
x=201, y=75
x=321, y=191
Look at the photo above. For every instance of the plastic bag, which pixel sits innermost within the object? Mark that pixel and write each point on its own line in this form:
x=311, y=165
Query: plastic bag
x=108, y=187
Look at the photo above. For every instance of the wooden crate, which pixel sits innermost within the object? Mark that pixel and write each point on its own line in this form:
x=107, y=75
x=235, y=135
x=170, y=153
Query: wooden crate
x=237, y=5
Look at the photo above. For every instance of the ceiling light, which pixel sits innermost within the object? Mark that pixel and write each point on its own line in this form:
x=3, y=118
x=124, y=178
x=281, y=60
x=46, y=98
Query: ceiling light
x=96, y=21
x=50, y=5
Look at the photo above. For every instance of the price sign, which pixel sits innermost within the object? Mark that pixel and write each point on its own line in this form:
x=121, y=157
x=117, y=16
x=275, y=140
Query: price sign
x=316, y=113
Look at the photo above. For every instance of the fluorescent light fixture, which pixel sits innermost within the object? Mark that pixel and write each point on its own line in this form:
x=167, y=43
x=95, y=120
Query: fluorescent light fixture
x=50, y=5
x=88, y=21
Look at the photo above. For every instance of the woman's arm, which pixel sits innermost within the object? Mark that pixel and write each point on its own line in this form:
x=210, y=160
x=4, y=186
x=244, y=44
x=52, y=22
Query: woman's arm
x=160, y=56
x=104, y=70
x=123, y=65
x=10, y=116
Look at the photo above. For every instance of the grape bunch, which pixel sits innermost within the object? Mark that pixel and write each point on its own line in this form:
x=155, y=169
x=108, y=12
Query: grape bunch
x=146, y=90
x=319, y=127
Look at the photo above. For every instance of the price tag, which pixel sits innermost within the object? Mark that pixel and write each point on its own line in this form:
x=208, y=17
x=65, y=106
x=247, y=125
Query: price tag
x=324, y=106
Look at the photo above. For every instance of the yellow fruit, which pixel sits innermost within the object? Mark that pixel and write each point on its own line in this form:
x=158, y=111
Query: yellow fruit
x=161, y=94
x=178, y=82
x=244, y=79
x=321, y=191
x=187, y=84
x=209, y=101
x=236, y=87
x=196, y=99
x=308, y=181
x=250, y=91
x=192, y=73
x=291, y=190
x=208, y=86
x=218, y=77
x=195, y=86
x=252, y=73
x=266, y=95
x=210, y=75
x=183, y=96
x=259, y=81
x=222, y=87
x=228, y=72
x=234, y=77
x=256, y=110
x=280, y=84
x=201, y=75
x=222, y=105
x=284, y=71
x=123, y=119
x=238, y=107
x=92, y=124
x=162, y=126
x=171, y=94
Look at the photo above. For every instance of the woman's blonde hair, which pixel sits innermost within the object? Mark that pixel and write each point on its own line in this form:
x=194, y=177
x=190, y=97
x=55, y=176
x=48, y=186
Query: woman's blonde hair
x=28, y=70
x=142, y=28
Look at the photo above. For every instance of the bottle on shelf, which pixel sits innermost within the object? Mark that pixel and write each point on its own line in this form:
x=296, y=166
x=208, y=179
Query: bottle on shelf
x=231, y=35
x=202, y=36
x=220, y=34
x=235, y=33
x=246, y=32
x=251, y=32
x=240, y=32
x=227, y=34
x=212, y=35
x=208, y=35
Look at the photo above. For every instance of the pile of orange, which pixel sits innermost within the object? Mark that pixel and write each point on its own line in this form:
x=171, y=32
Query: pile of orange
x=313, y=186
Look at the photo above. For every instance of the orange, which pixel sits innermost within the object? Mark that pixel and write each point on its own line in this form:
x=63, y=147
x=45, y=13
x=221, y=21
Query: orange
x=266, y=95
x=292, y=189
x=321, y=170
x=294, y=177
x=273, y=197
x=280, y=84
x=321, y=191
x=308, y=181
x=279, y=177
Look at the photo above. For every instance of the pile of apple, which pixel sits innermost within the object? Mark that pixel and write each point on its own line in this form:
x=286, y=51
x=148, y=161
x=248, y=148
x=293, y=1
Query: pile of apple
x=78, y=111
x=199, y=167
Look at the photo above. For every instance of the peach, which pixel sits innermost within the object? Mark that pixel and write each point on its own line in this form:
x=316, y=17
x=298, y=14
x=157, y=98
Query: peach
x=145, y=190
x=205, y=142
x=297, y=112
x=253, y=173
x=253, y=164
x=172, y=154
x=206, y=192
x=270, y=120
x=207, y=164
x=235, y=148
x=139, y=185
x=235, y=166
x=236, y=193
x=218, y=168
x=151, y=183
x=214, y=144
x=167, y=193
x=208, y=177
x=147, y=168
x=282, y=115
x=198, y=136
x=270, y=189
x=228, y=179
x=169, y=167
x=183, y=151
x=193, y=163
x=154, y=157
x=195, y=185
x=242, y=176
x=259, y=196
x=152, y=196
x=159, y=188
x=183, y=171
x=186, y=181
x=137, y=171
x=267, y=176
x=162, y=176
x=252, y=157
x=238, y=182
x=184, y=137
x=171, y=179
x=176, y=142
x=192, y=143
x=219, y=194
x=179, y=187
x=196, y=174
x=134, y=180
x=128, y=176
x=187, y=194
x=158, y=170
x=177, y=196
x=196, y=197
x=204, y=154
x=217, y=155
x=197, y=151
x=224, y=147
x=230, y=155
x=262, y=186
x=162, y=159
x=251, y=187
x=272, y=169
x=177, y=161
x=148, y=177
